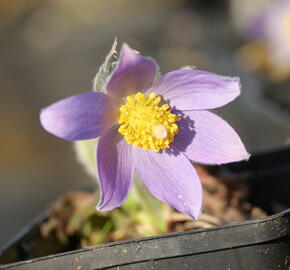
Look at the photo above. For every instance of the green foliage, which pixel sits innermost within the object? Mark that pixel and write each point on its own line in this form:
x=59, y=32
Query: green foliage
x=106, y=69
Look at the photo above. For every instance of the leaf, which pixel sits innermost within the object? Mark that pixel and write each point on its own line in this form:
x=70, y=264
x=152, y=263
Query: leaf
x=106, y=69
x=86, y=150
x=86, y=155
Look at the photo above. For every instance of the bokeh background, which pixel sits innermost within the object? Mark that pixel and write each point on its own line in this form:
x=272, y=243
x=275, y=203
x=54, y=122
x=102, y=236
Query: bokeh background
x=51, y=49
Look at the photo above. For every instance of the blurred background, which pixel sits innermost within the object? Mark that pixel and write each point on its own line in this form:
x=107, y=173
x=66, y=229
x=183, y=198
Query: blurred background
x=52, y=49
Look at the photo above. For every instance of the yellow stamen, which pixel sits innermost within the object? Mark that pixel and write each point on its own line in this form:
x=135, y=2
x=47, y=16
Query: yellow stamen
x=144, y=123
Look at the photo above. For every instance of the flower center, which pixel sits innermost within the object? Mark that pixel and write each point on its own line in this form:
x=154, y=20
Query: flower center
x=144, y=123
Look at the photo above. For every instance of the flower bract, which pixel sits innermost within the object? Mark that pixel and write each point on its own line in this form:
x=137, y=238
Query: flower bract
x=152, y=127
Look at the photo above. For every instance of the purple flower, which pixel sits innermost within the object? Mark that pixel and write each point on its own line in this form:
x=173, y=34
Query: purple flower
x=151, y=127
x=277, y=33
x=266, y=21
x=249, y=16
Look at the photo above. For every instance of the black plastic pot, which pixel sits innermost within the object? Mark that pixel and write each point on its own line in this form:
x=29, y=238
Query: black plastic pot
x=254, y=244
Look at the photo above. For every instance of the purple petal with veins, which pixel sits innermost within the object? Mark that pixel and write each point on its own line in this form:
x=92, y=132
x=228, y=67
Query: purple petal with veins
x=81, y=117
x=196, y=89
x=171, y=178
x=115, y=165
x=206, y=138
x=134, y=73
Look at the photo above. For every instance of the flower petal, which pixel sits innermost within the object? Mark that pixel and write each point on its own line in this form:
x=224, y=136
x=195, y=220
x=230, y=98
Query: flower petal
x=79, y=117
x=206, y=138
x=133, y=73
x=171, y=178
x=196, y=89
x=115, y=166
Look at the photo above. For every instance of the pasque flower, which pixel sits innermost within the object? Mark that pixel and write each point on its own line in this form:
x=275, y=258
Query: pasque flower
x=153, y=127
x=277, y=32
x=266, y=21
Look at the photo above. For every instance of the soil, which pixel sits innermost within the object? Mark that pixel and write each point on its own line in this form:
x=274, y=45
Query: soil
x=225, y=200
